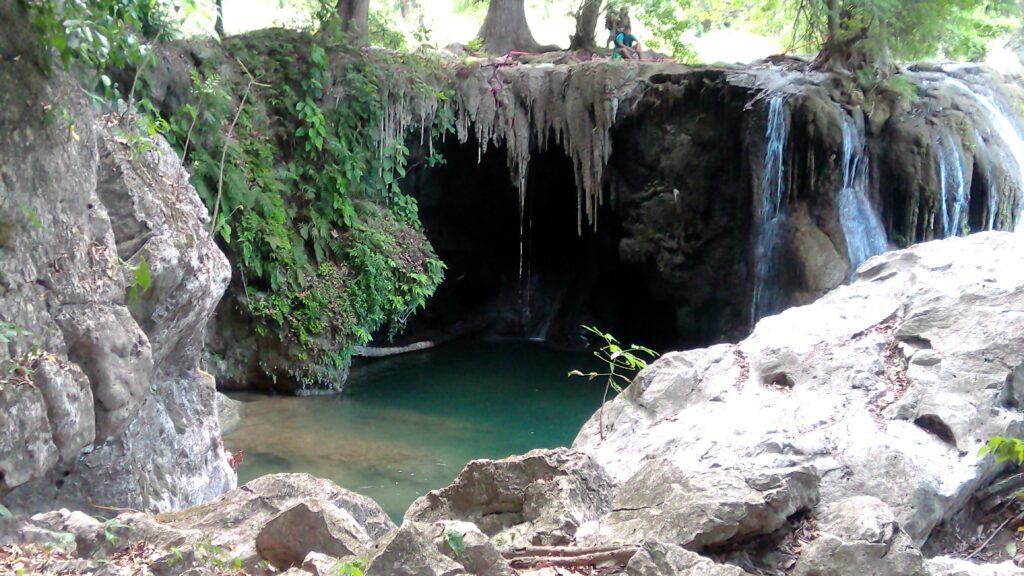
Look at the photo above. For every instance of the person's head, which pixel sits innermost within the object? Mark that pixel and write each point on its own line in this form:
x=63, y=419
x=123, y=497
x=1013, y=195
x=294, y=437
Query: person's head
x=628, y=29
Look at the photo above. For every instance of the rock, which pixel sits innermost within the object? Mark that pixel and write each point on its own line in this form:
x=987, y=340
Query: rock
x=69, y=406
x=319, y=564
x=86, y=530
x=545, y=494
x=290, y=536
x=229, y=413
x=701, y=508
x=860, y=535
x=331, y=517
x=411, y=551
x=656, y=558
x=944, y=566
x=26, y=439
x=829, y=386
x=118, y=413
x=478, y=555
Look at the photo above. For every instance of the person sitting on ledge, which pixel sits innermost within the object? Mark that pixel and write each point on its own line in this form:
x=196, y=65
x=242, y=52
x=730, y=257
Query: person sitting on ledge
x=626, y=45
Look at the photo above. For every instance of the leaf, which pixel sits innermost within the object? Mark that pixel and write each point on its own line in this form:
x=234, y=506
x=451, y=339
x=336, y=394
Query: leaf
x=4, y=512
x=455, y=541
x=142, y=275
x=1011, y=548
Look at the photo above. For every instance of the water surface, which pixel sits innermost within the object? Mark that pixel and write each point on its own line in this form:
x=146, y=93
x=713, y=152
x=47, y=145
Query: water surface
x=408, y=424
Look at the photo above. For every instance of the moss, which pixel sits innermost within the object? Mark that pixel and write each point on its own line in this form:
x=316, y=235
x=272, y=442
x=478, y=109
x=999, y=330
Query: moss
x=6, y=234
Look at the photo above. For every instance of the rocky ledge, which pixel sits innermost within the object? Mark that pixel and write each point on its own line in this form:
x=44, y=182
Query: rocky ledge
x=839, y=438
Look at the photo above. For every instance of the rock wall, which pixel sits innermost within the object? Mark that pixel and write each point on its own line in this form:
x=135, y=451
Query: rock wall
x=103, y=399
x=672, y=167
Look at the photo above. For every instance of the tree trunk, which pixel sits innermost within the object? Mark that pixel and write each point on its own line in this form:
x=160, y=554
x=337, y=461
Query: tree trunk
x=218, y=25
x=505, y=28
x=355, y=18
x=586, y=25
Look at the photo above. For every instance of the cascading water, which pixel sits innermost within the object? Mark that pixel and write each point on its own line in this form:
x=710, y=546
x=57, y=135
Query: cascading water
x=952, y=184
x=1007, y=131
x=772, y=216
x=993, y=193
x=865, y=236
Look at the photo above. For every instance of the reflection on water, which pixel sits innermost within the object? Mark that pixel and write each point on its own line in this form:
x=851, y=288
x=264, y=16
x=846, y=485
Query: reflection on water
x=408, y=424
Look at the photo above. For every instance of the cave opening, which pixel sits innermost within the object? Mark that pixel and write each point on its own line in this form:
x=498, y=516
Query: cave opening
x=534, y=277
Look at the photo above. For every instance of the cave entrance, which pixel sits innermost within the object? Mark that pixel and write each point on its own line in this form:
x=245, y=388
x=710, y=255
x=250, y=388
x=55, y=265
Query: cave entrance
x=533, y=277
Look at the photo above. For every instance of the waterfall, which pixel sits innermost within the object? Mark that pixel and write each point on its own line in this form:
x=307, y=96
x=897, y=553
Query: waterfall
x=865, y=236
x=952, y=184
x=1007, y=131
x=766, y=298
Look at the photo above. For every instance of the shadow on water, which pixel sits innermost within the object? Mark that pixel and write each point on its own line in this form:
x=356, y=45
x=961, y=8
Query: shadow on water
x=408, y=424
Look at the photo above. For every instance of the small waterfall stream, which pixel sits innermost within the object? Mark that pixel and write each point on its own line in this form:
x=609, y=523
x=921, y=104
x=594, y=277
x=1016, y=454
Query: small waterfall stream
x=1007, y=131
x=952, y=183
x=772, y=216
x=865, y=235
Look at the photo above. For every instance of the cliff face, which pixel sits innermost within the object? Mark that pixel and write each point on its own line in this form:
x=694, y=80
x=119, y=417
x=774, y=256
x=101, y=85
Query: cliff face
x=103, y=399
x=706, y=198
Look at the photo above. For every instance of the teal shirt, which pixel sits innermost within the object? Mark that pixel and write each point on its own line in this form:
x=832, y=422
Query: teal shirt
x=624, y=39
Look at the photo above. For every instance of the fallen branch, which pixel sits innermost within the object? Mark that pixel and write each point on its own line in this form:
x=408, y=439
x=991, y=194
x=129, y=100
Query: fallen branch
x=567, y=556
x=993, y=535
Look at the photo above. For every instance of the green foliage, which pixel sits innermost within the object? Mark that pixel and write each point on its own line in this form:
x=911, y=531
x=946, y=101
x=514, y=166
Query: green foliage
x=621, y=361
x=328, y=247
x=1004, y=449
x=110, y=531
x=455, y=541
x=909, y=29
x=351, y=568
x=5, y=513
x=10, y=331
x=141, y=279
x=217, y=557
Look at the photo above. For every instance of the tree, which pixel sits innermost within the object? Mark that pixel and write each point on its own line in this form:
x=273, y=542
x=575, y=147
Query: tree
x=218, y=25
x=505, y=28
x=587, y=15
x=355, y=18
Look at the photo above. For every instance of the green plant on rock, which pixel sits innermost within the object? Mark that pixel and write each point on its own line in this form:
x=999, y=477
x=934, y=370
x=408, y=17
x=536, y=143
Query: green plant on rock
x=307, y=197
x=350, y=568
x=622, y=363
x=1004, y=449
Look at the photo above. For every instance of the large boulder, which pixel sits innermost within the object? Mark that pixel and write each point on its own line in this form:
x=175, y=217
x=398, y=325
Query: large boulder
x=656, y=558
x=711, y=507
x=279, y=518
x=886, y=387
x=289, y=537
x=860, y=535
x=108, y=404
x=542, y=497
x=411, y=551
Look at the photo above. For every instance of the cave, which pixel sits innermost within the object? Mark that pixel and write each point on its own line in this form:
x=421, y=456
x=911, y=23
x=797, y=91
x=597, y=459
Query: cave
x=537, y=275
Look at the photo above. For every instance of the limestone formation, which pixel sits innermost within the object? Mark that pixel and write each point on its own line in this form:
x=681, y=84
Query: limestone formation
x=107, y=405
x=887, y=387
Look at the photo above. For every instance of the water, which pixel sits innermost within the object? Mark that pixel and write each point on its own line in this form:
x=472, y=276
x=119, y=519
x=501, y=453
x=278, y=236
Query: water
x=952, y=184
x=865, y=235
x=1006, y=130
x=408, y=424
x=766, y=299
